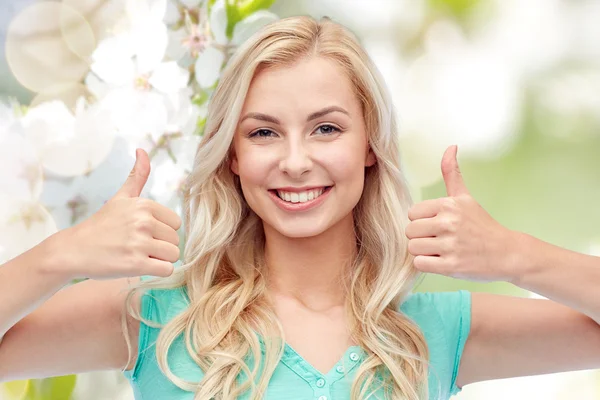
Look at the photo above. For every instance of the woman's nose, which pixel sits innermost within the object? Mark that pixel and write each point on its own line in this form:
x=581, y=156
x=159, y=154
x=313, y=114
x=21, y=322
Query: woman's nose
x=296, y=160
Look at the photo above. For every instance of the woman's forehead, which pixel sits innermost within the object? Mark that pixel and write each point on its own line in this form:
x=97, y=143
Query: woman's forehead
x=306, y=86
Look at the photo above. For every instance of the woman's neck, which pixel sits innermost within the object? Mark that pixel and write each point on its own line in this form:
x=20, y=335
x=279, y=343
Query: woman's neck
x=311, y=270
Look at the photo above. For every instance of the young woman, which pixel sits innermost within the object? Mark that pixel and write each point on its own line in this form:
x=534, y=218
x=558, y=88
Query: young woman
x=302, y=248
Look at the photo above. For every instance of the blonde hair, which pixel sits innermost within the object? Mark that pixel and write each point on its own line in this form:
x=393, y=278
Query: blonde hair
x=223, y=264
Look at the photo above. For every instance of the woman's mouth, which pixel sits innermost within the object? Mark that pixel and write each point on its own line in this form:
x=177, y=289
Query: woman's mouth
x=299, y=201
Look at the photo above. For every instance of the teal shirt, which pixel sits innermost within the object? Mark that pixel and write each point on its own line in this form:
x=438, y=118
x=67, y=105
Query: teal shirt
x=444, y=318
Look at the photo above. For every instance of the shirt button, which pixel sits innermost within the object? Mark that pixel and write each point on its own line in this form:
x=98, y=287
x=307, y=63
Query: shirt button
x=322, y=397
x=339, y=368
x=321, y=382
x=353, y=356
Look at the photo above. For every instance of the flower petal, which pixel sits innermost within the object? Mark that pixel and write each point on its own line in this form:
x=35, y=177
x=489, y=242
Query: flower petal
x=251, y=24
x=136, y=113
x=145, y=9
x=68, y=144
x=169, y=77
x=218, y=22
x=90, y=145
x=158, y=9
x=112, y=61
x=150, y=41
x=22, y=175
x=208, y=66
x=169, y=175
x=48, y=122
x=172, y=13
x=183, y=115
x=97, y=87
x=175, y=49
x=190, y=3
x=23, y=224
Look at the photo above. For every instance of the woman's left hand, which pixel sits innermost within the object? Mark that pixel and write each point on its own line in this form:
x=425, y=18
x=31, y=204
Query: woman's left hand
x=456, y=237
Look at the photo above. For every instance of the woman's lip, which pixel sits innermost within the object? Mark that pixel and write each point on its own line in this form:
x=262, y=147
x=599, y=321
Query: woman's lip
x=288, y=206
x=298, y=190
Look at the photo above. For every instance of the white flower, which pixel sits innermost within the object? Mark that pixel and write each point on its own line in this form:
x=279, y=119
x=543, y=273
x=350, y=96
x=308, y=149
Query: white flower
x=23, y=220
x=168, y=77
x=147, y=32
x=69, y=144
x=21, y=176
x=23, y=224
x=73, y=200
x=182, y=113
x=132, y=79
x=134, y=59
x=250, y=25
x=170, y=169
x=207, y=42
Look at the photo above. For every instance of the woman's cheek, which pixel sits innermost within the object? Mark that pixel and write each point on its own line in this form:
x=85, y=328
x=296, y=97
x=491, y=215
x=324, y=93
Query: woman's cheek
x=254, y=167
x=342, y=163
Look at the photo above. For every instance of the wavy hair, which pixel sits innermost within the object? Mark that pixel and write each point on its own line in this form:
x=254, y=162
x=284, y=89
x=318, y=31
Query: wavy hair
x=223, y=265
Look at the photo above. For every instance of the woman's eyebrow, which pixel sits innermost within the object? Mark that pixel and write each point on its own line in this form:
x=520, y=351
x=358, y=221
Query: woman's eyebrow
x=315, y=115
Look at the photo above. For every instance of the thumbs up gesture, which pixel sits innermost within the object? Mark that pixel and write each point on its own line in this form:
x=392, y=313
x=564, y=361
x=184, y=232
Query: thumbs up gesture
x=128, y=236
x=456, y=237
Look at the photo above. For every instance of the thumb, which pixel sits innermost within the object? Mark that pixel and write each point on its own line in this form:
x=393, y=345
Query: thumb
x=137, y=177
x=455, y=185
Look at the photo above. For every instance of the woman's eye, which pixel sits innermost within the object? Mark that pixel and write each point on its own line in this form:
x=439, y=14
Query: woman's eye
x=330, y=129
x=260, y=132
x=264, y=133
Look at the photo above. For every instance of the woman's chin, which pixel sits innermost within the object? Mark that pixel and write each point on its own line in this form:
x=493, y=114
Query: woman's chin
x=297, y=233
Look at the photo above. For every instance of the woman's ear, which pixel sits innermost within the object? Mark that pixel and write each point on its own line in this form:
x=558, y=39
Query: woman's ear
x=233, y=163
x=371, y=159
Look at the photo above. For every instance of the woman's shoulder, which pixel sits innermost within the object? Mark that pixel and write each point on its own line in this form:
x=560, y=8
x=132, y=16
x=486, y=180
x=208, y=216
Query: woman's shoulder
x=444, y=303
x=448, y=311
x=445, y=320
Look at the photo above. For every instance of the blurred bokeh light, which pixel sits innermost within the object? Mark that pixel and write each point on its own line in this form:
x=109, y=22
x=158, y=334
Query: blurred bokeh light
x=516, y=84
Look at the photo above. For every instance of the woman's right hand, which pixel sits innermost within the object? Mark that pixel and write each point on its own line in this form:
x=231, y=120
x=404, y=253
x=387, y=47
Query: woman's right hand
x=129, y=236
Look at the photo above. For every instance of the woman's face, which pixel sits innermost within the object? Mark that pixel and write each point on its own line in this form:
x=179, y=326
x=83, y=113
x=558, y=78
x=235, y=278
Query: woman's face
x=301, y=128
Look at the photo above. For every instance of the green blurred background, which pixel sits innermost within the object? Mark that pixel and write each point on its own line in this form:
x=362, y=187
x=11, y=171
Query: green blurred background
x=516, y=84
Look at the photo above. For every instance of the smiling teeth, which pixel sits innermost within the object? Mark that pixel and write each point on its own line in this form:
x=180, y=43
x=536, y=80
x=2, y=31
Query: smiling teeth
x=300, y=197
